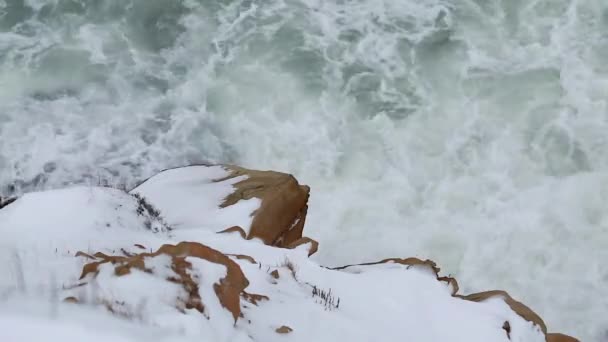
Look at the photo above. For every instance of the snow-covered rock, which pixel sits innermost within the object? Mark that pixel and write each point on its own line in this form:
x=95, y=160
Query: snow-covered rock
x=74, y=260
x=266, y=205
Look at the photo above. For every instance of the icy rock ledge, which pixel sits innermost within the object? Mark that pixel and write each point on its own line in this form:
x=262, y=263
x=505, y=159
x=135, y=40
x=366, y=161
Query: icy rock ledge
x=154, y=258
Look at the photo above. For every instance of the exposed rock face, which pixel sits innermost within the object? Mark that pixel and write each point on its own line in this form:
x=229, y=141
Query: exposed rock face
x=280, y=219
x=313, y=246
x=235, y=229
x=518, y=307
x=284, y=330
x=560, y=338
x=228, y=289
x=6, y=201
x=274, y=207
x=277, y=203
x=413, y=262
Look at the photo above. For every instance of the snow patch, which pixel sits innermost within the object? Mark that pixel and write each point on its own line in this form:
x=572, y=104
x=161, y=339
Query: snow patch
x=190, y=198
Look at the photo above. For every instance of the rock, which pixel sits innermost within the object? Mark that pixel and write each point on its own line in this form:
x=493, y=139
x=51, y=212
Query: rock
x=280, y=219
x=234, y=229
x=431, y=265
x=211, y=196
x=284, y=330
x=518, y=307
x=6, y=201
x=72, y=300
x=243, y=257
x=522, y=310
x=313, y=245
x=507, y=328
x=228, y=289
x=254, y=298
x=560, y=338
x=270, y=206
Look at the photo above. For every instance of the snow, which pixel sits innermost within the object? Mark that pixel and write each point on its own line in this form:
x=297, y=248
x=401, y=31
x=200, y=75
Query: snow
x=18, y=328
x=208, y=274
x=131, y=296
x=189, y=197
x=41, y=232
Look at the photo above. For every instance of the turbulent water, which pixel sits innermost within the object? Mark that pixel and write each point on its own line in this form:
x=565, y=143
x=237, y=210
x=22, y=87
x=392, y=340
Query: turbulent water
x=472, y=132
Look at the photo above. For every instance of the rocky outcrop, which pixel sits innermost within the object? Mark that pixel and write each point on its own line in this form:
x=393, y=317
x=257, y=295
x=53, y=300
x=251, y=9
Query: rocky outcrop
x=284, y=330
x=6, y=201
x=560, y=338
x=279, y=221
x=281, y=217
x=275, y=203
x=265, y=205
x=521, y=309
x=413, y=262
x=228, y=288
x=313, y=246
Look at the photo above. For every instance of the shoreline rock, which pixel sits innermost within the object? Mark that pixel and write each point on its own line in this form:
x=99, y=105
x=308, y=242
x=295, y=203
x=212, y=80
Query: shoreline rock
x=281, y=217
x=4, y=202
x=271, y=207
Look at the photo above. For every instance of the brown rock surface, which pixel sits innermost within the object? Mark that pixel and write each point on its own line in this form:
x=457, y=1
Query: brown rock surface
x=73, y=300
x=560, y=338
x=235, y=229
x=518, y=307
x=280, y=219
x=284, y=330
x=228, y=290
x=412, y=262
x=243, y=257
x=522, y=310
x=254, y=298
x=314, y=245
x=280, y=222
